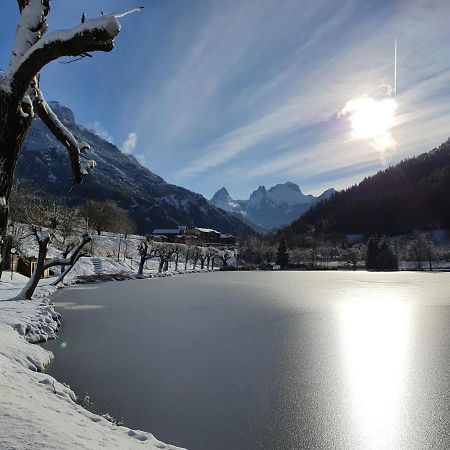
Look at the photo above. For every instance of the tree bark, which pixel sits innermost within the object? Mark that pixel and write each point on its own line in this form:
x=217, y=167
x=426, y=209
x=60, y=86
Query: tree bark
x=13, y=129
x=28, y=291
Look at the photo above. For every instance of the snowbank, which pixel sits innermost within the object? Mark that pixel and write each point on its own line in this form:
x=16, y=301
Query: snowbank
x=38, y=411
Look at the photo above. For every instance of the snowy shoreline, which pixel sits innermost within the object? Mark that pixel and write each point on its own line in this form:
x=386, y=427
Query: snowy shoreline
x=37, y=410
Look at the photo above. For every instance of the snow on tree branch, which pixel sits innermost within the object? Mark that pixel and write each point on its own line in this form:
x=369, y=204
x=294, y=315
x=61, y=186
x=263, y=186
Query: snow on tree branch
x=32, y=26
x=93, y=35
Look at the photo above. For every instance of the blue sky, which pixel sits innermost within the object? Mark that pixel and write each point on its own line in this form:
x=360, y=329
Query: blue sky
x=240, y=93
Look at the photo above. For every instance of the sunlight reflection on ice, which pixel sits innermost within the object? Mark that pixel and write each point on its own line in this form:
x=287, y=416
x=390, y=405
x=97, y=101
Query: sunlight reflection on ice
x=374, y=332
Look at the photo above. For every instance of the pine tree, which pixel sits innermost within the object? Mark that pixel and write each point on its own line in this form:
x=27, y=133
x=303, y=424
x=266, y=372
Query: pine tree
x=282, y=258
x=386, y=258
x=372, y=250
x=380, y=255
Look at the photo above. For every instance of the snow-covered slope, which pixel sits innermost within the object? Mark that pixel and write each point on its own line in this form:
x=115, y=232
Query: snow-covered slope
x=270, y=208
x=151, y=201
x=222, y=199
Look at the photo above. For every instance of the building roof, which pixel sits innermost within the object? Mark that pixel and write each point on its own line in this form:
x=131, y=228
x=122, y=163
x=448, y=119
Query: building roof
x=166, y=231
x=207, y=230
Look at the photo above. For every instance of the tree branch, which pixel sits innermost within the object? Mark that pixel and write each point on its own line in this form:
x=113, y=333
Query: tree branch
x=45, y=113
x=73, y=257
x=93, y=35
x=32, y=26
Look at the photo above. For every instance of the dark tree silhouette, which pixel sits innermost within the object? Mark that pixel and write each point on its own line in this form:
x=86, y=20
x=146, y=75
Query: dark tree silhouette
x=282, y=258
x=414, y=194
x=380, y=255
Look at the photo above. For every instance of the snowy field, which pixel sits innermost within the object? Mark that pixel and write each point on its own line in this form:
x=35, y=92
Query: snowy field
x=38, y=412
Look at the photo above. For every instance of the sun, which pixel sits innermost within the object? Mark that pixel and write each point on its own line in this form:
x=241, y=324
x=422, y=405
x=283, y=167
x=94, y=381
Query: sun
x=372, y=119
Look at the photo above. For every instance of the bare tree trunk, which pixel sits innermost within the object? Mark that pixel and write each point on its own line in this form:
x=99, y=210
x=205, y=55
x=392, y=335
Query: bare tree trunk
x=126, y=246
x=118, y=252
x=66, y=271
x=141, y=266
x=28, y=291
x=6, y=253
x=13, y=129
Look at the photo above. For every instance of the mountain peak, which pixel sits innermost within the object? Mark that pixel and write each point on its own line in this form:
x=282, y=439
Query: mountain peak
x=325, y=195
x=222, y=191
x=64, y=114
x=288, y=185
x=223, y=200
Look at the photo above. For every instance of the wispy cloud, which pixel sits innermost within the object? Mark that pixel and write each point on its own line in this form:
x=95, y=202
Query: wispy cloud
x=99, y=130
x=248, y=90
x=355, y=68
x=130, y=143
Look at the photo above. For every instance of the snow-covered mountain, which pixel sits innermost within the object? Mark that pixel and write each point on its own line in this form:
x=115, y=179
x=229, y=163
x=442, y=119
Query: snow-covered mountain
x=151, y=201
x=270, y=208
x=222, y=199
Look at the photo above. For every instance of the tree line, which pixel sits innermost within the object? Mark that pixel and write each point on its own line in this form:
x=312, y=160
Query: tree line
x=411, y=195
x=310, y=251
x=36, y=224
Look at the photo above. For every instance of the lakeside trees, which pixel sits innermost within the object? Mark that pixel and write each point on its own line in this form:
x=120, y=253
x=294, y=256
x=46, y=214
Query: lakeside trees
x=44, y=222
x=380, y=255
x=311, y=250
x=282, y=258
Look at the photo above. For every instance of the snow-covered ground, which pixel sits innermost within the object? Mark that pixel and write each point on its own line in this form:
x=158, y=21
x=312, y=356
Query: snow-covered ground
x=37, y=411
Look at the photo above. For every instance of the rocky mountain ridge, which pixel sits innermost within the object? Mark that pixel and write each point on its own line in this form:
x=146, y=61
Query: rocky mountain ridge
x=150, y=201
x=272, y=208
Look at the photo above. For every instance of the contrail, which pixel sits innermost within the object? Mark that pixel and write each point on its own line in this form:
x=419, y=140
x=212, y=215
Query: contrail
x=395, y=66
x=126, y=13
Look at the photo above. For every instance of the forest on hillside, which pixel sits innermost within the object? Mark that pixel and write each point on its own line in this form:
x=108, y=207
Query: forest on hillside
x=413, y=194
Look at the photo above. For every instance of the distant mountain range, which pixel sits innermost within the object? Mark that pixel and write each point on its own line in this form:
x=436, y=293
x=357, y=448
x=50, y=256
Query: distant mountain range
x=151, y=202
x=270, y=209
x=414, y=194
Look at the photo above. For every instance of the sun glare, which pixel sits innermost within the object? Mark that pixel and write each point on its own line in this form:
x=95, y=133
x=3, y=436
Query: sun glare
x=372, y=119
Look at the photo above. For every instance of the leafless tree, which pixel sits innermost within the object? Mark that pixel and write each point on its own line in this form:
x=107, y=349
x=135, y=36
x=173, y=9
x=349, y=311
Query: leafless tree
x=44, y=238
x=70, y=257
x=103, y=215
x=178, y=250
x=146, y=252
x=197, y=253
x=21, y=98
x=352, y=256
x=125, y=226
x=421, y=248
x=187, y=254
x=225, y=255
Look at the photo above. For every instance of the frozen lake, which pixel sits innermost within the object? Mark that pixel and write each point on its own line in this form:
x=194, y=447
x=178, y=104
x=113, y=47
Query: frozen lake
x=266, y=360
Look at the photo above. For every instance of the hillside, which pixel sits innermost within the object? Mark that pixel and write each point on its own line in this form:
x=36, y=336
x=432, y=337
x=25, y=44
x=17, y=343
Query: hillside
x=151, y=202
x=414, y=194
